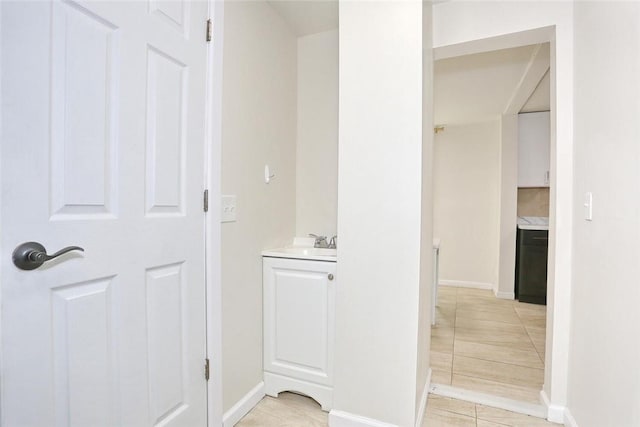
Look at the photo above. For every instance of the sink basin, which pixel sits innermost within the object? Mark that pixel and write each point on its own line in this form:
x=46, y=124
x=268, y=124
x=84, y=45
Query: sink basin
x=310, y=251
x=318, y=254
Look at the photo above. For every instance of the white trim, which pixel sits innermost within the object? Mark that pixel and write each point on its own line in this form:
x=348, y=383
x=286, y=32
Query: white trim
x=569, y=421
x=243, y=406
x=274, y=384
x=505, y=295
x=423, y=400
x=539, y=411
x=2, y=394
x=465, y=284
x=345, y=419
x=555, y=413
x=213, y=135
x=538, y=65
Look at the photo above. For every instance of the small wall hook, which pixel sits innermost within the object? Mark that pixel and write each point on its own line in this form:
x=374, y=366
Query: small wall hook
x=268, y=176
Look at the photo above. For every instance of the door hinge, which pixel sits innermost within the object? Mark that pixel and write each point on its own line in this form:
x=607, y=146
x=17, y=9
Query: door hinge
x=209, y=30
x=206, y=201
x=206, y=369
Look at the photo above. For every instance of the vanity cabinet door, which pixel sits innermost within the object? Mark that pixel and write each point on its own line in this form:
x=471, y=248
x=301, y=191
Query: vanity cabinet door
x=299, y=307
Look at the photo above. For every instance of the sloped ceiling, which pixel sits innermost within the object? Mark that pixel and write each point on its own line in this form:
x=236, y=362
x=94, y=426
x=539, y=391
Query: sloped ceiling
x=474, y=88
x=308, y=16
x=539, y=100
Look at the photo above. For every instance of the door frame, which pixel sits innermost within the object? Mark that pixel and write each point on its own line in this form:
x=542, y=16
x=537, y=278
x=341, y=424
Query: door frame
x=553, y=393
x=213, y=230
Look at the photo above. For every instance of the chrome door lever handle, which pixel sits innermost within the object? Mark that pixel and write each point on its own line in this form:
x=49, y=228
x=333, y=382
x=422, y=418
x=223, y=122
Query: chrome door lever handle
x=31, y=255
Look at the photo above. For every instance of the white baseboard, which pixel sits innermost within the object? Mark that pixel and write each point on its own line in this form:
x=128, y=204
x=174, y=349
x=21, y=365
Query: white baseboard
x=555, y=413
x=423, y=400
x=539, y=411
x=345, y=419
x=569, y=421
x=243, y=406
x=464, y=284
x=505, y=295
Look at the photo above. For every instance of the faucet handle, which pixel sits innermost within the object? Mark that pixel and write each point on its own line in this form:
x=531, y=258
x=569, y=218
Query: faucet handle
x=321, y=241
x=333, y=243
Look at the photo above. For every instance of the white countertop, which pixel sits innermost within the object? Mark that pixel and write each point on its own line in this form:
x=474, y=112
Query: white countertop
x=533, y=222
x=298, y=252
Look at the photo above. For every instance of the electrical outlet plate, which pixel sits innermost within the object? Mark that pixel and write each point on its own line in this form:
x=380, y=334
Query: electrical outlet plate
x=228, y=207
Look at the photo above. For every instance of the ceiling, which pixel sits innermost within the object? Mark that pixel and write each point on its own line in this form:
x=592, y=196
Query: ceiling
x=478, y=87
x=540, y=99
x=467, y=89
x=308, y=16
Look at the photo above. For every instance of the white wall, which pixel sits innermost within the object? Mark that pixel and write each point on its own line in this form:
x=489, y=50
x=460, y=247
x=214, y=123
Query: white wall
x=258, y=127
x=317, y=146
x=508, y=206
x=466, y=201
x=379, y=210
x=462, y=27
x=604, y=381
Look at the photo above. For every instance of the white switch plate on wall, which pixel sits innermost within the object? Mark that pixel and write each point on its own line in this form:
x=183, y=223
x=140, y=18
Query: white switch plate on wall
x=588, y=206
x=228, y=206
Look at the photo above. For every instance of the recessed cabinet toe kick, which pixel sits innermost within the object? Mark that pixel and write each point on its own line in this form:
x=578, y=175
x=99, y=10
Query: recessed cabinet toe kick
x=299, y=313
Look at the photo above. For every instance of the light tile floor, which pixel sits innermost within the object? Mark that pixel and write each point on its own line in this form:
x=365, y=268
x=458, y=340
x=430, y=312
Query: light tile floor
x=292, y=410
x=479, y=343
x=489, y=345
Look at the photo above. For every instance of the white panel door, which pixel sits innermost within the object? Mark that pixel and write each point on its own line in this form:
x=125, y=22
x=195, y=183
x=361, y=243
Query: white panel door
x=102, y=122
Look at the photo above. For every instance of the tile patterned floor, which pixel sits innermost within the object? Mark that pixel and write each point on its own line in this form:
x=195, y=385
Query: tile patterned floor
x=489, y=345
x=292, y=410
x=479, y=343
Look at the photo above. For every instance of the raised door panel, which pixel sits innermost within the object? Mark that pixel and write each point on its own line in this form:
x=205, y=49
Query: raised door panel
x=84, y=85
x=172, y=13
x=166, y=342
x=84, y=353
x=166, y=134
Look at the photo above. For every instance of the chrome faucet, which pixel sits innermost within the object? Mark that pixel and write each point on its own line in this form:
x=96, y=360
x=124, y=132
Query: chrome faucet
x=321, y=241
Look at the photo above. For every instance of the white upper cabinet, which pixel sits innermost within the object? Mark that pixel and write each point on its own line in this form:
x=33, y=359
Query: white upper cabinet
x=533, y=149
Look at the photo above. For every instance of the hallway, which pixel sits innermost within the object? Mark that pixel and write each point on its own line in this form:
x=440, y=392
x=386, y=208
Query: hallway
x=489, y=345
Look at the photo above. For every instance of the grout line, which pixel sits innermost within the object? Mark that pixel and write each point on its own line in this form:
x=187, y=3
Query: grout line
x=521, y=324
x=534, y=345
x=503, y=363
x=537, y=389
x=522, y=407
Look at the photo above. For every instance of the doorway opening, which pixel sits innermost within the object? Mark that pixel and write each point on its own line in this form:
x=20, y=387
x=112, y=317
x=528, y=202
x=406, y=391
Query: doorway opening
x=488, y=346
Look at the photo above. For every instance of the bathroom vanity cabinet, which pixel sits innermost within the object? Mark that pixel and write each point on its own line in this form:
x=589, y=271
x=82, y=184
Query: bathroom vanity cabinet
x=299, y=323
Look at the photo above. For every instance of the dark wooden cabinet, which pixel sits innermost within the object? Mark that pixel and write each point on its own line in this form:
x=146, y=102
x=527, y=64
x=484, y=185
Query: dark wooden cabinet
x=531, y=266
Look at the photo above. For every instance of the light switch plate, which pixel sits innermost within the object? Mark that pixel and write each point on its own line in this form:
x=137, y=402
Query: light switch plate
x=228, y=207
x=588, y=206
